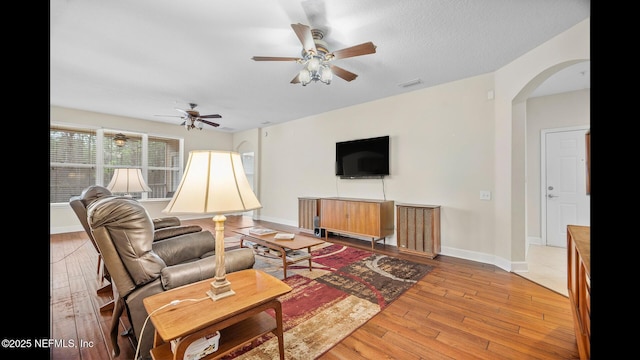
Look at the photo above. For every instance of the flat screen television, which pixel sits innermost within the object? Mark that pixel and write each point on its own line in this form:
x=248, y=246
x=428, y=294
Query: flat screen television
x=363, y=158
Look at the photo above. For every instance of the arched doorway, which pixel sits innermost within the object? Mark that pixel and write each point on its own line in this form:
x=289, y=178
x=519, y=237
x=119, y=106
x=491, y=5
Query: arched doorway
x=529, y=132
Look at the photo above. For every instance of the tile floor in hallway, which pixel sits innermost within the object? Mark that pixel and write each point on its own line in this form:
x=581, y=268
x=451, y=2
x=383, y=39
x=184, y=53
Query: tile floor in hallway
x=547, y=267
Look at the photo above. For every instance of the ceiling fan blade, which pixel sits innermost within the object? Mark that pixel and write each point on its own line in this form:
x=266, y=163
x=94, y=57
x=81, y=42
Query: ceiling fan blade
x=342, y=73
x=357, y=50
x=169, y=115
x=209, y=123
x=274, y=58
x=183, y=112
x=184, y=122
x=296, y=80
x=212, y=116
x=305, y=36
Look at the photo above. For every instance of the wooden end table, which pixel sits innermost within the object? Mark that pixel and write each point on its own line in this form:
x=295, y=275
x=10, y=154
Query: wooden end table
x=299, y=242
x=240, y=318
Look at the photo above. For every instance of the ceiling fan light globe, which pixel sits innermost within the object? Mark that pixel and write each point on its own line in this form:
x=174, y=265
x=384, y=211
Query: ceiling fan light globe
x=313, y=64
x=304, y=77
x=326, y=75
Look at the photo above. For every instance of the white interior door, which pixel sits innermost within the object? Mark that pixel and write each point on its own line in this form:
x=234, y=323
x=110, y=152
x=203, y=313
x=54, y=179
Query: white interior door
x=564, y=186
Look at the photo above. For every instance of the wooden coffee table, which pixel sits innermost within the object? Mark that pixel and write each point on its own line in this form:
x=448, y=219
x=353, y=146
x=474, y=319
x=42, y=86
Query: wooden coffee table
x=239, y=221
x=300, y=242
x=240, y=318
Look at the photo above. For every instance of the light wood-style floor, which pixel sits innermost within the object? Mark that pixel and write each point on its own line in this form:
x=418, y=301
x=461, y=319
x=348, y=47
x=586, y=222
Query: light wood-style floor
x=547, y=266
x=460, y=310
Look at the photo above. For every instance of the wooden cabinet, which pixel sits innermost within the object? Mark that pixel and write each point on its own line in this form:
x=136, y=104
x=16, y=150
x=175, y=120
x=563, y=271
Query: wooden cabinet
x=579, y=284
x=418, y=229
x=308, y=210
x=360, y=217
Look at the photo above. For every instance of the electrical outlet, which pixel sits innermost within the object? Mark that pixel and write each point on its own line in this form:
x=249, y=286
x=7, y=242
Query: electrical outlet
x=485, y=195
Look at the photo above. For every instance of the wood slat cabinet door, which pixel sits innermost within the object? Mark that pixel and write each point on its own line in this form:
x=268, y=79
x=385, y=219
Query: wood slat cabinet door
x=308, y=209
x=334, y=214
x=364, y=218
x=418, y=229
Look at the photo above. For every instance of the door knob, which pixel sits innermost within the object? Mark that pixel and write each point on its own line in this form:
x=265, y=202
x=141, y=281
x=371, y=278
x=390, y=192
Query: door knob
x=550, y=196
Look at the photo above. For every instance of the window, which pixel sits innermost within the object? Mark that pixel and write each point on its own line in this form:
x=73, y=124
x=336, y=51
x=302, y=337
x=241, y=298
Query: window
x=72, y=156
x=83, y=157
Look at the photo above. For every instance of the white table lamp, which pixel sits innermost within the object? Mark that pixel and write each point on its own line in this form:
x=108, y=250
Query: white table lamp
x=128, y=181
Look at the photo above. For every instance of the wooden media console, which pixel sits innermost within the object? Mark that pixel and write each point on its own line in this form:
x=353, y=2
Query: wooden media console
x=359, y=217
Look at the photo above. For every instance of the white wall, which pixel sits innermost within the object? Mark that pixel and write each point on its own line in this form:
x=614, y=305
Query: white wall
x=440, y=153
x=194, y=139
x=514, y=83
x=448, y=143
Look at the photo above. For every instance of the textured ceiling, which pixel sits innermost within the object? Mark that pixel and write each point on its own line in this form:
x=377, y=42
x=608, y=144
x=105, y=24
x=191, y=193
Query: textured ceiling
x=145, y=58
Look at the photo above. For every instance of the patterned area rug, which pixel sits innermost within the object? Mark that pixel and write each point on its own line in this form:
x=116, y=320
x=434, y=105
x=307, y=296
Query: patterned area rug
x=345, y=288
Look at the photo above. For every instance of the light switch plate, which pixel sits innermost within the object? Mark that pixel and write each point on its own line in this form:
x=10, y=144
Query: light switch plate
x=485, y=195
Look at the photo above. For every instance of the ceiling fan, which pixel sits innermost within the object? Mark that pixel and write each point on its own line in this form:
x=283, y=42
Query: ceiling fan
x=193, y=119
x=317, y=59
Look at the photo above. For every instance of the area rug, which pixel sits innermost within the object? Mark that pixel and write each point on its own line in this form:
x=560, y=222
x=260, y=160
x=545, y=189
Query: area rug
x=345, y=288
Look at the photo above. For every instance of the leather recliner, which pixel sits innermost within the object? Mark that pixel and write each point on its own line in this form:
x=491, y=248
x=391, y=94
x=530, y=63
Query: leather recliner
x=163, y=228
x=140, y=266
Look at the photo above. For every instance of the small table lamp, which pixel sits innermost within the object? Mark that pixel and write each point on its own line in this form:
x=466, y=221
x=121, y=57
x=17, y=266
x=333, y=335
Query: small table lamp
x=214, y=182
x=128, y=181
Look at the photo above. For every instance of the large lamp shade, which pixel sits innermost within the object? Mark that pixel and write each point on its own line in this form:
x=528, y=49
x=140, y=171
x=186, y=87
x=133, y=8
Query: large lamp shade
x=214, y=182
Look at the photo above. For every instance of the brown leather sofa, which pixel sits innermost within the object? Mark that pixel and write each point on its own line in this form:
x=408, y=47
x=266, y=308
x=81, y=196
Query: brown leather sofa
x=140, y=266
x=164, y=228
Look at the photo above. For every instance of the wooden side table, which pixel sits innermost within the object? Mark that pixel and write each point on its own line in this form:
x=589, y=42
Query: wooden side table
x=240, y=318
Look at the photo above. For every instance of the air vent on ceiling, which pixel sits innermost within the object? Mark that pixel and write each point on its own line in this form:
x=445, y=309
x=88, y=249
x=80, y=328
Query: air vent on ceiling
x=410, y=83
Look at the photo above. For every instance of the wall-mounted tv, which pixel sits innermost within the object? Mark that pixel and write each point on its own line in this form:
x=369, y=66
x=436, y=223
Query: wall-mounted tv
x=363, y=158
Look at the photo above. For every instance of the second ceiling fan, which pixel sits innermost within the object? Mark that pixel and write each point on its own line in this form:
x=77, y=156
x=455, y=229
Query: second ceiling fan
x=317, y=59
x=193, y=119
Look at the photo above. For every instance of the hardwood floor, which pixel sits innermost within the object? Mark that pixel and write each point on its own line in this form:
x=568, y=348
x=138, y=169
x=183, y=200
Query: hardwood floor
x=460, y=310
